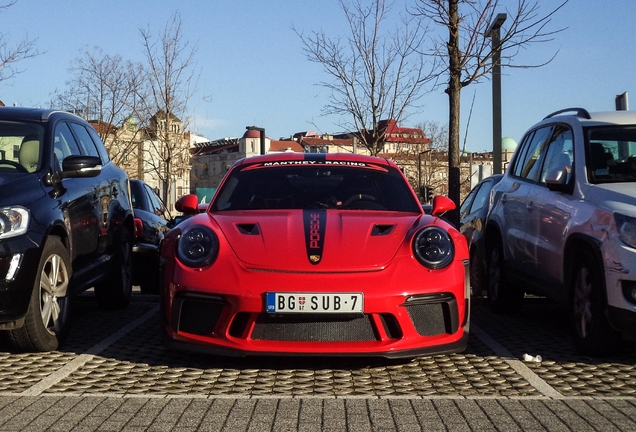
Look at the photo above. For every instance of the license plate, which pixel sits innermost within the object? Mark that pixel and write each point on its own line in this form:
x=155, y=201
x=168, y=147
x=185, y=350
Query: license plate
x=314, y=302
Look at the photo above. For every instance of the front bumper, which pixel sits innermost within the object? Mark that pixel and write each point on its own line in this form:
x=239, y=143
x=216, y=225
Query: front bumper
x=19, y=260
x=620, y=282
x=408, y=311
x=450, y=348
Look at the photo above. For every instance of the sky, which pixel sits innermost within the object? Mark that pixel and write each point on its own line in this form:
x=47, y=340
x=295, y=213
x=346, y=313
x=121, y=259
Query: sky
x=252, y=71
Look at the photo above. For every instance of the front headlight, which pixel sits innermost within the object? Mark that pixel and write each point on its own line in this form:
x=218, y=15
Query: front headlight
x=626, y=227
x=198, y=246
x=14, y=221
x=433, y=247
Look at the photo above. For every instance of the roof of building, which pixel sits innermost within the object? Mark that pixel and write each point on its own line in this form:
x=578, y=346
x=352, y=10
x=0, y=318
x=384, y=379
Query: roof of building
x=227, y=145
x=283, y=146
x=253, y=133
x=102, y=127
x=397, y=134
x=508, y=143
x=312, y=141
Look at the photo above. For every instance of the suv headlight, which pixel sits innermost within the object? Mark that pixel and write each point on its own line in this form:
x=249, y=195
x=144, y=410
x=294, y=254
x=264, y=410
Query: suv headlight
x=14, y=221
x=433, y=247
x=198, y=246
x=626, y=227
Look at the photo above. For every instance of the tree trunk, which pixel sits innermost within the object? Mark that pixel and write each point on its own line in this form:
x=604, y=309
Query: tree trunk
x=454, y=96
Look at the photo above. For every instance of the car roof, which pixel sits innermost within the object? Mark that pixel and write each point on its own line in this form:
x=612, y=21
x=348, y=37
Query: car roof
x=32, y=114
x=299, y=157
x=586, y=118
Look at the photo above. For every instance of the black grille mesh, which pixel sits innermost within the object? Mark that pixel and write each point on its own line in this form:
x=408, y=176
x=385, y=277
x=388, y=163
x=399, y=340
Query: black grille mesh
x=199, y=317
x=428, y=319
x=313, y=329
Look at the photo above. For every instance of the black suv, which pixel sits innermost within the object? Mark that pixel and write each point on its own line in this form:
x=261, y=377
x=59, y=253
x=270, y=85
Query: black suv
x=66, y=225
x=152, y=221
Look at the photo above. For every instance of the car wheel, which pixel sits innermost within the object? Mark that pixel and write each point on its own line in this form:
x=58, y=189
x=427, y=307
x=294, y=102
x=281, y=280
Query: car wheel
x=114, y=292
x=47, y=320
x=502, y=296
x=593, y=334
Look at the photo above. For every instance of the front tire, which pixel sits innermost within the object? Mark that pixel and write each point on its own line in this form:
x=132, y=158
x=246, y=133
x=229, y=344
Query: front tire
x=502, y=296
x=115, y=291
x=592, y=333
x=47, y=320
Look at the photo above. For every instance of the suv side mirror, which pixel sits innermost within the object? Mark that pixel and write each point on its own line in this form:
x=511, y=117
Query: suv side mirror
x=556, y=179
x=81, y=166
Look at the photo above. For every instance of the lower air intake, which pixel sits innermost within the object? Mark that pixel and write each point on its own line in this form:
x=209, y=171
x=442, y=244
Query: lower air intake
x=196, y=314
x=433, y=314
x=307, y=329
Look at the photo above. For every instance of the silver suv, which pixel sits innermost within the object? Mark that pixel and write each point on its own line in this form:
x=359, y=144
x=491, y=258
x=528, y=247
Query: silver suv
x=563, y=224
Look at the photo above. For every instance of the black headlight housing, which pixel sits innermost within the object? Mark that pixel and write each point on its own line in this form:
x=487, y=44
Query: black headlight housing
x=198, y=246
x=433, y=247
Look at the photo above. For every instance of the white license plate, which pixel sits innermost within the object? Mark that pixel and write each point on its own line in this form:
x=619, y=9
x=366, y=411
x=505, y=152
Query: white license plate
x=314, y=302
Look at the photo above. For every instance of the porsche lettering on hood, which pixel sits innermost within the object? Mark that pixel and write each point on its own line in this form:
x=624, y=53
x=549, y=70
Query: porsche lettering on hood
x=315, y=222
x=308, y=240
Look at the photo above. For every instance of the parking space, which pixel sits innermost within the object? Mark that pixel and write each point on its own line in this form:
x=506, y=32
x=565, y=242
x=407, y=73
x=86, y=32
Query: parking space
x=114, y=353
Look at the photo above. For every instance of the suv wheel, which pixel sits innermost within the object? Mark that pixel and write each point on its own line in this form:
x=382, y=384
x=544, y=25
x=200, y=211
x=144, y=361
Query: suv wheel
x=592, y=333
x=502, y=297
x=114, y=292
x=48, y=317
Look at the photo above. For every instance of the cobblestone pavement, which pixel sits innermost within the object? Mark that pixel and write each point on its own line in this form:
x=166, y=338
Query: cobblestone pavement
x=113, y=373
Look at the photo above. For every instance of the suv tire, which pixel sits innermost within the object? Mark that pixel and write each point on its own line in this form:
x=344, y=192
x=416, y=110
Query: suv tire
x=114, y=292
x=593, y=334
x=47, y=321
x=502, y=297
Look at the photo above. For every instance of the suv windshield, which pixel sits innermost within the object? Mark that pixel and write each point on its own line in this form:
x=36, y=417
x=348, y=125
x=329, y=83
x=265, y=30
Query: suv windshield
x=307, y=187
x=611, y=154
x=20, y=147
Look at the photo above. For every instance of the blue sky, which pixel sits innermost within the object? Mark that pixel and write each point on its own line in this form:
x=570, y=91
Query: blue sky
x=254, y=72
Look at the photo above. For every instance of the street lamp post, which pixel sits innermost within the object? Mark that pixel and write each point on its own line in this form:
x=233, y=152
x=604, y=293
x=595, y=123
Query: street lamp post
x=493, y=33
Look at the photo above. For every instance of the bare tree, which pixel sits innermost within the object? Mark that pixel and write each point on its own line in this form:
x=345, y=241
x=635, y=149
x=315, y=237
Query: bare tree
x=9, y=55
x=424, y=164
x=434, y=168
x=171, y=78
x=376, y=75
x=466, y=56
x=107, y=91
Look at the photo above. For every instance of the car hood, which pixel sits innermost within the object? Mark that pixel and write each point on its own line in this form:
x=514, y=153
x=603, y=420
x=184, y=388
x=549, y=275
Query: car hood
x=315, y=240
x=619, y=197
x=20, y=189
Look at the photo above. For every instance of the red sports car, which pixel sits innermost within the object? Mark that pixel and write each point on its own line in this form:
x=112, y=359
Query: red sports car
x=316, y=254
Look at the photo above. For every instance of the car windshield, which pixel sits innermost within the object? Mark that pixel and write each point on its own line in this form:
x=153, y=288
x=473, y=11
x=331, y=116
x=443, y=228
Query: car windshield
x=611, y=154
x=20, y=147
x=310, y=187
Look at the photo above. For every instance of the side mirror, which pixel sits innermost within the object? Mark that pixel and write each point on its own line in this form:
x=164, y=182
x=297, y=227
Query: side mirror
x=556, y=179
x=441, y=205
x=81, y=166
x=187, y=204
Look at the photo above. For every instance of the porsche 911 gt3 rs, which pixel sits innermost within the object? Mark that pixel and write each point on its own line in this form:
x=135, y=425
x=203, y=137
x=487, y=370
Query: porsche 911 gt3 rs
x=316, y=254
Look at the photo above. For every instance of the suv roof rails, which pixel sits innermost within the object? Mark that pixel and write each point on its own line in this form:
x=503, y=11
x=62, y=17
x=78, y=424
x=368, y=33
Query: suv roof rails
x=580, y=112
